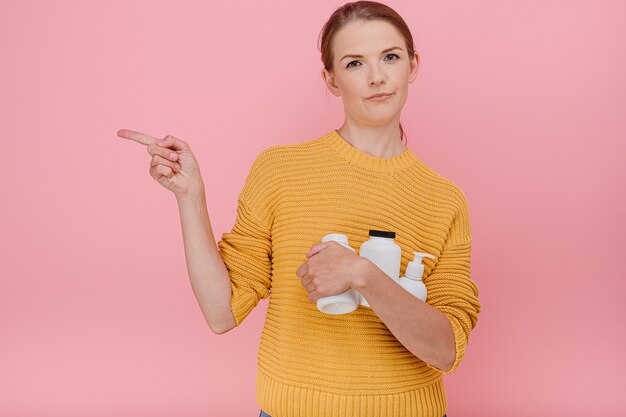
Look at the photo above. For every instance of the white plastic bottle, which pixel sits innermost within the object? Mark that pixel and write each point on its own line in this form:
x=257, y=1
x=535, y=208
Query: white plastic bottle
x=412, y=279
x=384, y=252
x=342, y=303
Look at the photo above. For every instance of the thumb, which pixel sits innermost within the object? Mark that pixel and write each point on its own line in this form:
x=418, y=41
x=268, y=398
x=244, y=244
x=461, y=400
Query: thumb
x=316, y=249
x=173, y=142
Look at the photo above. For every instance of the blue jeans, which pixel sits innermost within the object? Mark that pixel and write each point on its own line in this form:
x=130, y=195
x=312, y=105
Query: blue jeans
x=264, y=414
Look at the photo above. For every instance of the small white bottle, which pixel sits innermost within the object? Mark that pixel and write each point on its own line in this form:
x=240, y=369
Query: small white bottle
x=384, y=252
x=412, y=279
x=342, y=303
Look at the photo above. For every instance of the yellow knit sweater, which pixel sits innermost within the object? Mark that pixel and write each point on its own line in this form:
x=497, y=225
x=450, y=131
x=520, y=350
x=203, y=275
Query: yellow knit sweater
x=312, y=364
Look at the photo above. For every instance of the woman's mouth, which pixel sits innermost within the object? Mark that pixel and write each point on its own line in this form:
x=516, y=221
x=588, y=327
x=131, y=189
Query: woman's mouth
x=379, y=97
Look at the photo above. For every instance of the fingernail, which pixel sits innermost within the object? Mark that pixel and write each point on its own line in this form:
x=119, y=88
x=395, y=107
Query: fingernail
x=172, y=155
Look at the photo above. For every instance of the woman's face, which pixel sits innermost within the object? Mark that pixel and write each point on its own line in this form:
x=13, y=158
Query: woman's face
x=370, y=57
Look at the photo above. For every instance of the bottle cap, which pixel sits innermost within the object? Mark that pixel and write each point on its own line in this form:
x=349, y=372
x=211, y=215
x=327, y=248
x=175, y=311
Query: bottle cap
x=415, y=269
x=337, y=237
x=382, y=233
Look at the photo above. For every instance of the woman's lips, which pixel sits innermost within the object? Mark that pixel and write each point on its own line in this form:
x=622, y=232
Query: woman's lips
x=380, y=98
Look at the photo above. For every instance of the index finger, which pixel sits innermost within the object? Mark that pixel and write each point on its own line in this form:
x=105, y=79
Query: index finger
x=301, y=270
x=142, y=138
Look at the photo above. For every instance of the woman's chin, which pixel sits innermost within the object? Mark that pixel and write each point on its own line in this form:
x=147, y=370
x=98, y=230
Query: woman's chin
x=379, y=118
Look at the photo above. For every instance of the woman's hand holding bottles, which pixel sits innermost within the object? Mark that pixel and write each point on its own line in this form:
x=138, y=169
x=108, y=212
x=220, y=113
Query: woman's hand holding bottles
x=173, y=164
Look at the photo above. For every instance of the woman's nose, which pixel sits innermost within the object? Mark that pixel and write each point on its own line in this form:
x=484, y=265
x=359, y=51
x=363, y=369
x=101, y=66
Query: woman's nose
x=376, y=75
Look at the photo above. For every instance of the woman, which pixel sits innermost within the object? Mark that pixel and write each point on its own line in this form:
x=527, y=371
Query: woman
x=386, y=360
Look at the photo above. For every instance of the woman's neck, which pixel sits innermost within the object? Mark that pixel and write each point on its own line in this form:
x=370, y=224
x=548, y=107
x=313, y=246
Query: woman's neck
x=379, y=141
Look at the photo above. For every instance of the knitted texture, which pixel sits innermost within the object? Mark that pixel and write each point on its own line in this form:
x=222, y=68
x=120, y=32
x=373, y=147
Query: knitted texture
x=312, y=364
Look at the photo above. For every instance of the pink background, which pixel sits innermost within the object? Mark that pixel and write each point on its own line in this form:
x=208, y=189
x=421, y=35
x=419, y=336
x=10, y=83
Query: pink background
x=521, y=104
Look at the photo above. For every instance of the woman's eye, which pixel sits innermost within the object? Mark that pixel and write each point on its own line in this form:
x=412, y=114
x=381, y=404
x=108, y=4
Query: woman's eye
x=397, y=57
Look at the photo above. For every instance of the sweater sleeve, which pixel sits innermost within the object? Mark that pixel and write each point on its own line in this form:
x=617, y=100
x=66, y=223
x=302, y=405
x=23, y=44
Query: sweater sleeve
x=247, y=249
x=450, y=287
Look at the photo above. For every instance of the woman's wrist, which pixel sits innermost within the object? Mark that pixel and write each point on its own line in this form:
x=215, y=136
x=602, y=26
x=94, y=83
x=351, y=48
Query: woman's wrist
x=192, y=194
x=363, y=272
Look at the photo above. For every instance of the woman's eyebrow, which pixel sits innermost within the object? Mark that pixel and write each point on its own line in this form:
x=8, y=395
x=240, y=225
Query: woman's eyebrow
x=361, y=56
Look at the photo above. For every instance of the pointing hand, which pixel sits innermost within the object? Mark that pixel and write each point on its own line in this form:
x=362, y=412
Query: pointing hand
x=173, y=165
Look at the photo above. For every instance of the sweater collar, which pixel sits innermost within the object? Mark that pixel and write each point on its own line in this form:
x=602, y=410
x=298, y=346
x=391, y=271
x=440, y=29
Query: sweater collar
x=360, y=158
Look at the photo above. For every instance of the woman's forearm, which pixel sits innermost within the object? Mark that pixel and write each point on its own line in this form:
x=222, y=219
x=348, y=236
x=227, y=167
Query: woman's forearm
x=208, y=274
x=421, y=328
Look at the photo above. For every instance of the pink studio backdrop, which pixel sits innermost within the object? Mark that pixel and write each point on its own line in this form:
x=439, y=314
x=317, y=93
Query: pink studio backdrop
x=521, y=104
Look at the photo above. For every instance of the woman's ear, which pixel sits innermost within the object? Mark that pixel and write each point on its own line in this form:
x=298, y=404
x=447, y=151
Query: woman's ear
x=331, y=84
x=413, y=66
